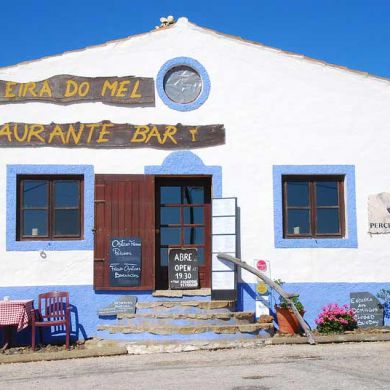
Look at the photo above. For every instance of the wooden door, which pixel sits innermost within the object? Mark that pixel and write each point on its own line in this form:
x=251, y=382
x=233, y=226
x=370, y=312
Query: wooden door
x=124, y=206
x=183, y=220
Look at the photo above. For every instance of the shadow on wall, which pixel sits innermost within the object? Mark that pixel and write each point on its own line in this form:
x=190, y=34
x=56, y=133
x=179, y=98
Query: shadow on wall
x=246, y=297
x=386, y=307
x=51, y=335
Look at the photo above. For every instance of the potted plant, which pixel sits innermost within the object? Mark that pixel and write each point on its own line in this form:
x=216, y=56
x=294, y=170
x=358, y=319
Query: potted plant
x=336, y=319
x=287, y=320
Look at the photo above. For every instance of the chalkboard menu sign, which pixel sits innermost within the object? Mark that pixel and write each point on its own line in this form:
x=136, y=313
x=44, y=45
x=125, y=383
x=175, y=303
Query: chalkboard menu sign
x=125, y=304
x=369, y=311
x=183, y=268
x=125, y=261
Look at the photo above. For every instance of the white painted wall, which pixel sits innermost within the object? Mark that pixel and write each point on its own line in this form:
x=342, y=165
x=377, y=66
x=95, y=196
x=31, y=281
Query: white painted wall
x=277, y=109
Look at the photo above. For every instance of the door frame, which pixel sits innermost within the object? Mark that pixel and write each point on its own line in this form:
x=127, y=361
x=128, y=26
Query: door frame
x=205, y=270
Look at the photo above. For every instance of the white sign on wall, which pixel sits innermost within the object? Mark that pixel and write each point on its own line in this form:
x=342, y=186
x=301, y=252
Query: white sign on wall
x=379, y=213
x=224, y=238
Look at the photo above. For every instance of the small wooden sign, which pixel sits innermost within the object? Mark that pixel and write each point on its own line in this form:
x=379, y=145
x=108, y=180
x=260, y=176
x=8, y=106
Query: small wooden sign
x=125, y=304
x=368, y=309
x=183, y=268
x=125, y=261
x=110, y=135
x=127, y=90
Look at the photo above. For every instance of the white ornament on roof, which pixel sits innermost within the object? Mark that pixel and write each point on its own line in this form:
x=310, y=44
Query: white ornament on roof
x=165, y=22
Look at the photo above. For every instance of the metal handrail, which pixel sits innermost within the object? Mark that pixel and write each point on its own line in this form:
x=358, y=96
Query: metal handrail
x=287, y=296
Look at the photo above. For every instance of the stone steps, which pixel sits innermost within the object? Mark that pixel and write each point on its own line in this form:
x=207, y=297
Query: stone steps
x=178, y=318
x=204, y=305
x=187, y=329
x=207, y=315
x=201, y=292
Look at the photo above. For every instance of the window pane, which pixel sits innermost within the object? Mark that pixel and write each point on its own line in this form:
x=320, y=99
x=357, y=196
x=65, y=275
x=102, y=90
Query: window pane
x=193, y=195
x=66, y=193
x=298, y=222
x=170, y=195
x=328, y=221
x=193, y=215
x=35, y=193
x=297, y=193
x=326, y=193
x=182, y=84
x=170, y=236
x=35, y=223
x=169, y=215
x=67, y=222
x=164, y=257
x=193, y=235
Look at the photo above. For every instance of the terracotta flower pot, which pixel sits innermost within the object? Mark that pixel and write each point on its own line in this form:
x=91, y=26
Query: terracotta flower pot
x=287, y=320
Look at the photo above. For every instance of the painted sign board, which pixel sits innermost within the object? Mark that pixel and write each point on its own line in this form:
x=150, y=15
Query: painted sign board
x=261, y=288
x=369, y=311
x=261, y=265
x=379, y=213
x=125, y=304
x=125, y=261
x=110, y=135
x=262, y=306
x=183, y=268
x=127, y=90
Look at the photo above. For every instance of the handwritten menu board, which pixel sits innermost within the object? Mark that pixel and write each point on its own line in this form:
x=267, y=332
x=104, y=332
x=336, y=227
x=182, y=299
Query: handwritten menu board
x=183, y=268
x=369, y=311
x=125, y=261
x=123, y=305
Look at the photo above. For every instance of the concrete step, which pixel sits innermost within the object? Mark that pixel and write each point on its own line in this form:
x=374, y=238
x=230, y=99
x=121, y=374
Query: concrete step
x=204, y=305
x=201, y=292
x=206, y=315
x=187, y=329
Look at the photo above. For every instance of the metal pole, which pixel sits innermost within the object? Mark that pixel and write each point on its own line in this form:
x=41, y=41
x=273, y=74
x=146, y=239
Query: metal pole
x=287, y=296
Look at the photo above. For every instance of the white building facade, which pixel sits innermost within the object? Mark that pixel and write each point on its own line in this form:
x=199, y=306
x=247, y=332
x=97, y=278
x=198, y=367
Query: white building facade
x=302, y=151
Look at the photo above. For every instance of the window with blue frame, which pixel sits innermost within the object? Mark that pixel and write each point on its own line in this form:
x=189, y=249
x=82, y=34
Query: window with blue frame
x=313, y=206
x=49, y=207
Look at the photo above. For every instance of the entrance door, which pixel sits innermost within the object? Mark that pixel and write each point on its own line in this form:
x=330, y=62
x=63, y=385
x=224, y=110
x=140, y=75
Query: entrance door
x=183, y=220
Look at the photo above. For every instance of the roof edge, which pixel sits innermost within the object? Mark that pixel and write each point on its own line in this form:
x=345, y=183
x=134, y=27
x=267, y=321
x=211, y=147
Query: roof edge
x=98, y=45
x=182, y=22
x=290, y=53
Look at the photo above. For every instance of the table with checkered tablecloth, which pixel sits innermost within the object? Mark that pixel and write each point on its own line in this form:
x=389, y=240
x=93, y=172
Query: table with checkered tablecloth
x=16, y=313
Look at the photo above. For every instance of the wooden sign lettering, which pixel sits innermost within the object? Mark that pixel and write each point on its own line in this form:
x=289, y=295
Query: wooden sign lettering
x=111, y=135
x=70, y=89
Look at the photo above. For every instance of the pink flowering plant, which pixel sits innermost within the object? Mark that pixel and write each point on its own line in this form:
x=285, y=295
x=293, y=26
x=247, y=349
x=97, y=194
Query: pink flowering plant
x=336, y=319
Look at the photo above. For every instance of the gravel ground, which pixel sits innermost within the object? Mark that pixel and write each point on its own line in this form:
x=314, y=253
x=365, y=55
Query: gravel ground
x=332, y=367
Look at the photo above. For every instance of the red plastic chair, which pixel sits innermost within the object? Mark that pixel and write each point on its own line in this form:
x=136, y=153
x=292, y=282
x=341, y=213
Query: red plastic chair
x=53, y=310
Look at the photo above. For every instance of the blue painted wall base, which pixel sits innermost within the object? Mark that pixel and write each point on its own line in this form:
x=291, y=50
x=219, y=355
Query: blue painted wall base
x=313, y=296
x=86, y=302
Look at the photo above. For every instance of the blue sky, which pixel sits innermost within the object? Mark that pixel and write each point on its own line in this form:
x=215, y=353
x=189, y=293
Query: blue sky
x=353, y=33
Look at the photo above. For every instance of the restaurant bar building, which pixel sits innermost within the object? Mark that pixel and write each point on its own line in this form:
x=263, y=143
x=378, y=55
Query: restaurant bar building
x=185, y=137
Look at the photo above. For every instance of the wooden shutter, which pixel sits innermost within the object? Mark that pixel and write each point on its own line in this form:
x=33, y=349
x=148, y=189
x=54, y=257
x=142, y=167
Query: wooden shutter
x=124, y=206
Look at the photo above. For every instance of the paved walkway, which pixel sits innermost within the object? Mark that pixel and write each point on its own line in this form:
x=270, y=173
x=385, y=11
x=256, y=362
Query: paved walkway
x=331, y=367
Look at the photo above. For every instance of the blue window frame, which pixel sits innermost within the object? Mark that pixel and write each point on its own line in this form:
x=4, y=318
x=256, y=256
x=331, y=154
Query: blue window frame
x=183, y=64
x=15, y=171
x=347, y=240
